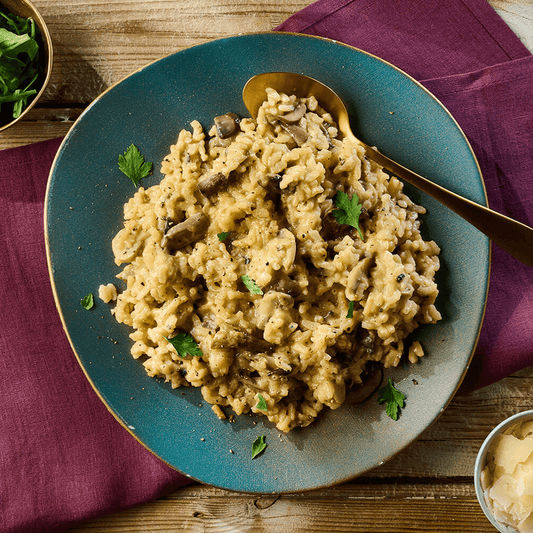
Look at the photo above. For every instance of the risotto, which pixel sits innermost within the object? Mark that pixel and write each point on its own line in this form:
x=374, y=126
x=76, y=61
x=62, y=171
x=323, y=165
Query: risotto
x=239, y=251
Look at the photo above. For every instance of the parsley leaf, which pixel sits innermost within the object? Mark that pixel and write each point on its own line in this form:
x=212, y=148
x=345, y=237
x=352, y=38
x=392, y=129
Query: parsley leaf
x=222, y=236
x=185, y=345
x=348, y=210
x=261, y=404
x=350, y=309
x=251, y=285
x=87, y=302
x=394, y=398
x=258, y=446
x=133, y=165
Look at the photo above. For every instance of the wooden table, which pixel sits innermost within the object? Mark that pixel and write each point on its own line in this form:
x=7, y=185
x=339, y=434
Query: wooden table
x=427, y=487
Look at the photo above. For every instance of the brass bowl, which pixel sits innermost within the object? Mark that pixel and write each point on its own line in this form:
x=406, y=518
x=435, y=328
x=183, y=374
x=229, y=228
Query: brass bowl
x=25, y=9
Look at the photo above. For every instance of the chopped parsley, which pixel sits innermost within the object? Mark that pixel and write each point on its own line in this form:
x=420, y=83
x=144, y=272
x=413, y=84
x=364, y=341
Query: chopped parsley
x=20, y=68
x=348, y=210
x=251, y=285
x=87, y=302
x=258, y=446
x=223, y=235
x=261, y=404
x=393, y=397
x=185, y=345
x=350, y=309
x=132, y=164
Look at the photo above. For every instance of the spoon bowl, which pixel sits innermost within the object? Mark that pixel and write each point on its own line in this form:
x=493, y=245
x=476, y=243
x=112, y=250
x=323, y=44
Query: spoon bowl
x=513, y=236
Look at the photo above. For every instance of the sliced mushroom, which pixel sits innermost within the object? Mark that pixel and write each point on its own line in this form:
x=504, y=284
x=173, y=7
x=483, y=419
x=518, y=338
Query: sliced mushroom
x=234, y=337
x=296, y=132
x=184, y=233
x=214, y=183
x=227, y=125
x=295, y=115
x=372, y=380
x=271, y=182
x=327, y=135
x=285, y=285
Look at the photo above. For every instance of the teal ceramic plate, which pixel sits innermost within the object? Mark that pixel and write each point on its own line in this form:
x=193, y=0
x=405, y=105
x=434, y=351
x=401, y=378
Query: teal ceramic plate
x=84, y=211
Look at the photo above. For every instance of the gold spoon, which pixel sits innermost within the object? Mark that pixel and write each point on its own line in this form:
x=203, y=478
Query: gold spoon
x=513, y=236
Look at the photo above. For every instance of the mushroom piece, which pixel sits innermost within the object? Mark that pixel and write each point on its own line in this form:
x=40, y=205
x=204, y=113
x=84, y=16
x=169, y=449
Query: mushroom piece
x=372, y=380
x=214, y=183
x=294, y=116
x=285, y=285
x=271, y=182
x=227, y=125
x=296, y=132
x=184, y=233
x=235, y=337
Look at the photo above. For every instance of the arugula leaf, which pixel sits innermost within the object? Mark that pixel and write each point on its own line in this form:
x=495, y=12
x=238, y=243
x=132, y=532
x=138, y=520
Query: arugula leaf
x=261, y=404
x=251, y=285
x=348, y=210
x=394, y=398
x=20, y=67
x=185, y=345
x=222, y=236
x=87, y=302
x=258, y=446
x=133, y=165
x=11, y=44
x=350, y=309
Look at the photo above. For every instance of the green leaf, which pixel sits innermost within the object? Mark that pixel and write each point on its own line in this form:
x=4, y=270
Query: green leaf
x=251, y=285
x=11, y=44
x=348, y=210
x=87, y=302
x=133, y=165
x=350, y=310
x=222, y=236
x=261, y=404
x=393, y=397
x=19, y=61
x=185, y=345
x=258, y=446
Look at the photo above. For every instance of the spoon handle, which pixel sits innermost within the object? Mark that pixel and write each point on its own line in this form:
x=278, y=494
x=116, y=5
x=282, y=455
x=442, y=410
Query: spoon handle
x=513, y=236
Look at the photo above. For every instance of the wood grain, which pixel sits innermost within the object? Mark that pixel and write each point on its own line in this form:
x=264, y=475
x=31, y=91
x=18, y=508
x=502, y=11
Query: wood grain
x=382, y=508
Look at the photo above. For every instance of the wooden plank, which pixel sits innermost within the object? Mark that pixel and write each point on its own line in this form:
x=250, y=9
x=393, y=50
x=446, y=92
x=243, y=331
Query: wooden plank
x=379, y=508
x=41, y=124
x=98, y=43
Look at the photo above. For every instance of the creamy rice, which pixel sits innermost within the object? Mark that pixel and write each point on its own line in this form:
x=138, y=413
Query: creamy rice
x=270, y=185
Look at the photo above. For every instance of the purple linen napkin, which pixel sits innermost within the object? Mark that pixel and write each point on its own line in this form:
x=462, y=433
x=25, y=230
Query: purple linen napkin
x=466, y=55
x=63, y=457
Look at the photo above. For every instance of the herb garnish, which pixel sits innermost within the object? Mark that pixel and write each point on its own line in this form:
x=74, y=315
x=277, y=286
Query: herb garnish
x=251, y=285
x=223, y=235
x=350, y=309
x=394, y=398
x=185, y=345
x=261, y=404
x=258, y=446
x=133, y=165
x=19, y=66
x=87, y=302
x=348, y=210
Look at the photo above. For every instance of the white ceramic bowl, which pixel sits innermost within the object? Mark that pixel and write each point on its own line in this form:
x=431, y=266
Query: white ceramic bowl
x=481, y=462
